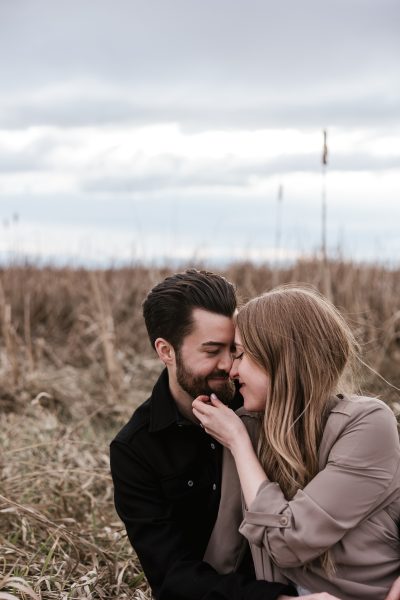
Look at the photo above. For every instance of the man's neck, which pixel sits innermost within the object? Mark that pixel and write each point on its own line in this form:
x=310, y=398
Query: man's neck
x=182, y=400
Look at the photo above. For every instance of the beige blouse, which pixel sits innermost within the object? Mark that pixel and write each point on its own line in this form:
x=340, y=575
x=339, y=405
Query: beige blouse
x=352, y=506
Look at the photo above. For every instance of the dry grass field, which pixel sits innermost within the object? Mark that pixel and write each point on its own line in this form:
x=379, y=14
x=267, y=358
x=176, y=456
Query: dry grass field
x=74, y=363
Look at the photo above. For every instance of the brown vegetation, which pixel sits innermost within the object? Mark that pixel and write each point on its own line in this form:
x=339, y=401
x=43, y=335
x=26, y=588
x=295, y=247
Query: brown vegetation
x=74, y=363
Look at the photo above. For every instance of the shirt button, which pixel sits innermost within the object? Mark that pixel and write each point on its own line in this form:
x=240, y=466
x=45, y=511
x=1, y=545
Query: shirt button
x=212, y=445
x=214, y=486
x=283, y=520
x=190, y=483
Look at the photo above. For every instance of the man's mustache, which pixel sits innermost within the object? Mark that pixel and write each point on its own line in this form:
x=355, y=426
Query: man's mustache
x=222, y=374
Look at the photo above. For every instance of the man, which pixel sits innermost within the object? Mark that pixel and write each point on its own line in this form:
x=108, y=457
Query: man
x=165, y=467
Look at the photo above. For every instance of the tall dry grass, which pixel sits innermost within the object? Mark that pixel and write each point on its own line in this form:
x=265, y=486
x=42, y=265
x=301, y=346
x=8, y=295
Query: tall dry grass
x=74, y=363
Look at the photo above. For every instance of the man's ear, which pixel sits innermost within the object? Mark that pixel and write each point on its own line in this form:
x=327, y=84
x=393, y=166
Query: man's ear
x=165, y=351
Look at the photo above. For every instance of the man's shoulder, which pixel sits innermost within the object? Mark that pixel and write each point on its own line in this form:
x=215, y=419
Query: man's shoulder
x=138, y=424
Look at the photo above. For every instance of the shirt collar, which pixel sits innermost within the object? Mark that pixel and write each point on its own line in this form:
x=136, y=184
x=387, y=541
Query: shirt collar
x=163, y=411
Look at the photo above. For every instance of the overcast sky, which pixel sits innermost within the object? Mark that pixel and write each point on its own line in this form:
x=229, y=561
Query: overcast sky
x=164, y=129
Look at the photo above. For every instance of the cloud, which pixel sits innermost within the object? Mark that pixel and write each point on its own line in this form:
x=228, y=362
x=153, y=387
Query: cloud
x=201, y=64
x=77, y=104
x=107, y=109
x=133, y=160
x=31, y=156
x=226, y=173
x=187, y=40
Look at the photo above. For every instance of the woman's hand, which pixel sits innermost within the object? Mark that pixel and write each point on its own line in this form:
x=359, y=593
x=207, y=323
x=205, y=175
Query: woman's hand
x=319, y=596
x=394, y=593
x=220, y=421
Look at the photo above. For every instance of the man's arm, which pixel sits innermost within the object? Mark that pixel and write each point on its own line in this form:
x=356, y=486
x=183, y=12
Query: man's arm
x=170, y=567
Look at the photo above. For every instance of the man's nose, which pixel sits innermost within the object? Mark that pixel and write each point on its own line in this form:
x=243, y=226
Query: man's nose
x=233, y=373
x=225, y=362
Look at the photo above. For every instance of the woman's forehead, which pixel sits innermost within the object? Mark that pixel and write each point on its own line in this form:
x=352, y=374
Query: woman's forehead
x=238, y=339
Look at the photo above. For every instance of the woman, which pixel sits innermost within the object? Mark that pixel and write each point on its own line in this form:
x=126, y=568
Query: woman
x=321, y=490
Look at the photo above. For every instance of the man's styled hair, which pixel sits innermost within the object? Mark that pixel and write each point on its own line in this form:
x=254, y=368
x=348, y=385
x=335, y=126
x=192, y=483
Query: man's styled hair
x=168, y=307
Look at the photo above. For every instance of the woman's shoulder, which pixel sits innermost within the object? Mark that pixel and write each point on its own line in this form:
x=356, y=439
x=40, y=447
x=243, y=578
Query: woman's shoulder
x=360, y=428
x=246, y=414
x=353, y=406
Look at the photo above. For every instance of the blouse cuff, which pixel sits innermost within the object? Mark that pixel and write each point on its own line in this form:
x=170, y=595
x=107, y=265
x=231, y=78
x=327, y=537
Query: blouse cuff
x=256, y=519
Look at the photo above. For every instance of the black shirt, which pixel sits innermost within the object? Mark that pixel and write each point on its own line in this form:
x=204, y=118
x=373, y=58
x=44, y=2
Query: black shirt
x=167, y=482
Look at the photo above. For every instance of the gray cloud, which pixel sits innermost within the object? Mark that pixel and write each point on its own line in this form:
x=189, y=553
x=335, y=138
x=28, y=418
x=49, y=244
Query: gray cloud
x=209, y=64
x=202, y=64
x=32, y=157
x=363, y=109
x=174, y=173
x=253, y=41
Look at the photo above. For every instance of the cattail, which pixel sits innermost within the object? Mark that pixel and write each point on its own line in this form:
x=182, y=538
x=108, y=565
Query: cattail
x=278, y=234
x=324, y=165
x=325, y=275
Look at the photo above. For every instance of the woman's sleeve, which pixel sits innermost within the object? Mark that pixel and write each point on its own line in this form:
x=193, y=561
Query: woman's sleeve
x=360, y=474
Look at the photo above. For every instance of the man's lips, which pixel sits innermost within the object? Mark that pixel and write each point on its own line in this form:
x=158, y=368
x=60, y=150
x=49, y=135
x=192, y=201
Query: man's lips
x=218, y=380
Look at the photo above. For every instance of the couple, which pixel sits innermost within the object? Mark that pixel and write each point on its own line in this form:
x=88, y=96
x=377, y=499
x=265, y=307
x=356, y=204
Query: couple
x=317, y=470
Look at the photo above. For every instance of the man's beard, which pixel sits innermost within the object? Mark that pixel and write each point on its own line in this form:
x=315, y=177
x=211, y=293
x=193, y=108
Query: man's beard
x=197, y=385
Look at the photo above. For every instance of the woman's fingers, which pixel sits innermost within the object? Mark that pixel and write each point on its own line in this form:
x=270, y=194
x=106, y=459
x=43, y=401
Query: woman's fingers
x=394, y=593
x=206, y=405
x=201, y=410
x=215, y=401
x=318, y=596
x=201, y=406
x=203, y=398
x=206, y=413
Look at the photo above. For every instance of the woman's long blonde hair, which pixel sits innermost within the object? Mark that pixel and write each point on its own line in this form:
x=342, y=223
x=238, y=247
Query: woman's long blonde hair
x=303, y=343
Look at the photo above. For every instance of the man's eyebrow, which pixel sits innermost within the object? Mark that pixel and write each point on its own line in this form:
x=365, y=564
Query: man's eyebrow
x=219, y=344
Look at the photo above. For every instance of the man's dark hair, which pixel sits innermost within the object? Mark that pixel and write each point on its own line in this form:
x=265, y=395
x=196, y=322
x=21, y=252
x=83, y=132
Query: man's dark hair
x=168, y=307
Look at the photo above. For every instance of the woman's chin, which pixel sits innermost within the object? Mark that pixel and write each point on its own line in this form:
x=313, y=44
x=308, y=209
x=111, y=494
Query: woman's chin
x=252, y=405
x=248, y=405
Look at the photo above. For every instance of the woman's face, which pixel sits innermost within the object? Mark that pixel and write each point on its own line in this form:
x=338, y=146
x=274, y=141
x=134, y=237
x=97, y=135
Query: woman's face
x=254, y=381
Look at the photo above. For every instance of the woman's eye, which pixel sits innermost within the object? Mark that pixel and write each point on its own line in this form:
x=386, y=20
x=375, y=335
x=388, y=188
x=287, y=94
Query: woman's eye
x=237, y=356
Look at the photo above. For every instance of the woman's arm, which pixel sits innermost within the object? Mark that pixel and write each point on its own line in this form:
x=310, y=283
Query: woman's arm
x=361, y=470
x=226, y=427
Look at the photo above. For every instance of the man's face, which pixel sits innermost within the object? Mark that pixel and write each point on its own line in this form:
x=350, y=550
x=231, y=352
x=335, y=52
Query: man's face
x=204, y=359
